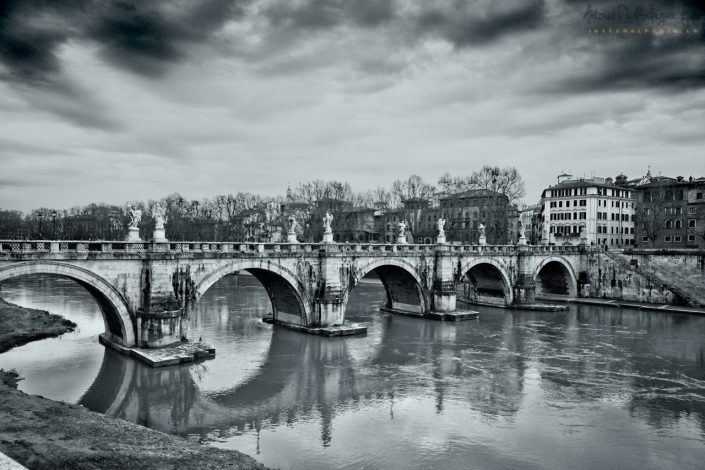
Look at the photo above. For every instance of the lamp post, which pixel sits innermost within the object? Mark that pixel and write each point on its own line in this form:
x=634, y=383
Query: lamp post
x=53, y=225
x=40, y=215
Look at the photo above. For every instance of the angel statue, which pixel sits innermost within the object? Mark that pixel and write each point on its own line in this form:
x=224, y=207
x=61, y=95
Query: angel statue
x=402, y=227
x=441, y=225
x=482, y=230
x=159, y=211
x=135, y=216
x=327, y=219
x=292, y=225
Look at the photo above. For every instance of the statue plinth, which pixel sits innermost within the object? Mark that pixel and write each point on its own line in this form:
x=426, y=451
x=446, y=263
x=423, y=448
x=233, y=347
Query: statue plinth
x=441, y=239
x=522, y=240
x=328, y=237
x=483, y=240
x=401, y=239
x=133, y=235
x=159, y=236
x=291, y=238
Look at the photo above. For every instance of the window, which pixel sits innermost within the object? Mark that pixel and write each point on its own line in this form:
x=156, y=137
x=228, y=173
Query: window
x=567, y=203
x=691, y=223
x=677, y=239
x=691, y=238
x=583, y=202
x=668, y=224
x=644, y=239
x=668, y=239
x=691, y=210
x=679, y=224
x=698, y=195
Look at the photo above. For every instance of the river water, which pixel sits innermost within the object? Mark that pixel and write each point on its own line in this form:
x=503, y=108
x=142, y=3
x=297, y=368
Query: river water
x=594, y=387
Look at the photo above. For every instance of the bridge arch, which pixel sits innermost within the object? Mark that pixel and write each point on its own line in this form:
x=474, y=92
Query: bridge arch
x=404, y=287
x=555, y=275
x=290, y=301
x=487, y=278
x=116, y=313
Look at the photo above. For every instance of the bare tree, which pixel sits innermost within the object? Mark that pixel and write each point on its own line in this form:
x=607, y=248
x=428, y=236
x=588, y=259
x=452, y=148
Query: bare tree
x=412, y=187
x=506, y=180
x=650, y=213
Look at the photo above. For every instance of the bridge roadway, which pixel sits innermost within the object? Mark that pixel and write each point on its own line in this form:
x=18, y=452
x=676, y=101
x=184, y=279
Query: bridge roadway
x=146, y=290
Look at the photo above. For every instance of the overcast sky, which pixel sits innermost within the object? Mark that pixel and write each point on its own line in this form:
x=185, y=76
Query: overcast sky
x=116, y=101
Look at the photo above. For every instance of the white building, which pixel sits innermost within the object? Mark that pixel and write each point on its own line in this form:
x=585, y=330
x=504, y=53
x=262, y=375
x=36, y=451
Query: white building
x=603, y=207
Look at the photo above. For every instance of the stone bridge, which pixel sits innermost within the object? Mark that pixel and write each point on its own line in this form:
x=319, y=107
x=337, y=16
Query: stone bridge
x=145, y=290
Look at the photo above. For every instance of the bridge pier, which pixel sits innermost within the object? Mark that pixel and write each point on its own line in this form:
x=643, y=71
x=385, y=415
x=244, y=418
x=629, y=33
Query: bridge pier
x=330, y=295
x=444, y=293
x=524, y=287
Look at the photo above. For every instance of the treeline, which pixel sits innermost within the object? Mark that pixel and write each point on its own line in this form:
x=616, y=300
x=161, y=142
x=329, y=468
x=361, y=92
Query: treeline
x=223, y=217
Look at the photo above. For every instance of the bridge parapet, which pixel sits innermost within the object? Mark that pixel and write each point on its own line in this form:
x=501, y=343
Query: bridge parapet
x=80, y=246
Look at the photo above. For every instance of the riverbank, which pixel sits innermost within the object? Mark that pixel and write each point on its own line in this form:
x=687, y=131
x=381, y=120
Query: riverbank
x=625, y=304
x=19, y=325
x=42, y=433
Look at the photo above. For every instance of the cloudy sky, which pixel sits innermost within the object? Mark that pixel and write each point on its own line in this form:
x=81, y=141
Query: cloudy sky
x=120, y=100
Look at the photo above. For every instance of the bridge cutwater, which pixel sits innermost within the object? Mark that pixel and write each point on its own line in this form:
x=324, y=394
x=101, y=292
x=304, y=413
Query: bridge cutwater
x=146, y=290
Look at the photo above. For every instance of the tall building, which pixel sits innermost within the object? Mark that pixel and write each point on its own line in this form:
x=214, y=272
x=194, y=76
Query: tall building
x=670, y=212
x=603, y=207
x=465, y=211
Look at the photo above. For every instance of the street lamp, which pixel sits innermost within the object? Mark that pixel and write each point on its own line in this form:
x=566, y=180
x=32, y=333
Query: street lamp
x=40, y=215
x=53, y=225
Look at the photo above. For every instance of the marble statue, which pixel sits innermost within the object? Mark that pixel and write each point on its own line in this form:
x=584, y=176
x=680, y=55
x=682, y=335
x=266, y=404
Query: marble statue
x=441, y=225
x=522, y=233
x=159, y=211
x=402, y=228
x=292, y=224
x=135, y=216
x=482, y=230
x=327, y=219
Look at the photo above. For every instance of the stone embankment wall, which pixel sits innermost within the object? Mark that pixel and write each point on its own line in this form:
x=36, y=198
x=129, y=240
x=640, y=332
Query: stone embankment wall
x=651, y=277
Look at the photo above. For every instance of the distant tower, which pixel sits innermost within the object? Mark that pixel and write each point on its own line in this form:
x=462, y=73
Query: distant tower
x=289, y=195
x=564, y=177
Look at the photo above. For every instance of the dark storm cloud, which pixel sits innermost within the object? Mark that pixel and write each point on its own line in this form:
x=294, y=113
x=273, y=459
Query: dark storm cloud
x=145, y=37
x=671, y=61
x=465, y=24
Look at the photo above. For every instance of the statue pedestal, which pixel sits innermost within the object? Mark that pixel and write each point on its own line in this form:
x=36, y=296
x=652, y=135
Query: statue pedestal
x=328, y=237
x=133, y=235
x=483, y=240
x=159, y=236
x=522, y=240
x=291, y=238
x=441, y=239
x=401, y=239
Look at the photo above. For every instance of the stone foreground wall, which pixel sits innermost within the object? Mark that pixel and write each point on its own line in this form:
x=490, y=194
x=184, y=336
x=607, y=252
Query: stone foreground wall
x=677, y=278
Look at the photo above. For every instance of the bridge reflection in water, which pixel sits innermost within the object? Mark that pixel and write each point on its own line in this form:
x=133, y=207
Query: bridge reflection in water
x=591, y=387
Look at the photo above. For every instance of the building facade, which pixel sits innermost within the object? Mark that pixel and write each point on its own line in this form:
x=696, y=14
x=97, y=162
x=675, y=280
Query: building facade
x=603, y=208
x=670, y=212
x=465, y=211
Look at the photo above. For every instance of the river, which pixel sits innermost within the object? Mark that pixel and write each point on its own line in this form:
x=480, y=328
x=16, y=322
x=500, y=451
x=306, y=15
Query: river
x=593, y=387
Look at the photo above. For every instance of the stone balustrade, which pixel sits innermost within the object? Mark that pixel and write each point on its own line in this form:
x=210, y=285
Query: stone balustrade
x=81, y=246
